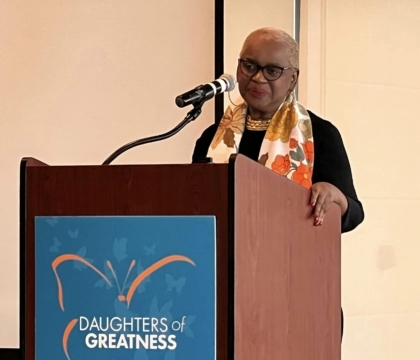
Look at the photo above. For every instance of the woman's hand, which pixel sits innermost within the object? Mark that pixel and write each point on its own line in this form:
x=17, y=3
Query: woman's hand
x=323, y=194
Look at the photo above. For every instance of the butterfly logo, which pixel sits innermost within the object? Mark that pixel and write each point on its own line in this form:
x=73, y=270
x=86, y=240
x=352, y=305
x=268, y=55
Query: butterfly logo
x=82, y=253
x=56, y=246
x=175, y=284
x=74, y=234
x=120, y=249
x=150, y=250
x=109, y=275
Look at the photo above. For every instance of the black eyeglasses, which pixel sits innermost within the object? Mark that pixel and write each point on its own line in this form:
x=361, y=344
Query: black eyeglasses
x=270, y=72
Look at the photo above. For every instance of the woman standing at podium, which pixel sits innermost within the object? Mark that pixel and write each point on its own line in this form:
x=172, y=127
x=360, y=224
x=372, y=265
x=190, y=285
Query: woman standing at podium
x=271, y=127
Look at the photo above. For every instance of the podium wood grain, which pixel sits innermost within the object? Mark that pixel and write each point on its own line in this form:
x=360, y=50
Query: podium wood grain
x=125, y=190
x=287, y=278
x=278, y=276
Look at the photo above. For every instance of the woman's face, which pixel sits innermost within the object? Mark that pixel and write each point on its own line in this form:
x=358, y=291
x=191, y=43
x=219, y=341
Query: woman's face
x=265, y=97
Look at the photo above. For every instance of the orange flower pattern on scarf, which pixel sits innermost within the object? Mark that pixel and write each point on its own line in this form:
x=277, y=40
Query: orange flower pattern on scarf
x=288, y=145
x=281, y=164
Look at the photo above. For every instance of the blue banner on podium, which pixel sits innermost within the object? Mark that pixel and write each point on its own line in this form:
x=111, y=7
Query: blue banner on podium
x=125, y=288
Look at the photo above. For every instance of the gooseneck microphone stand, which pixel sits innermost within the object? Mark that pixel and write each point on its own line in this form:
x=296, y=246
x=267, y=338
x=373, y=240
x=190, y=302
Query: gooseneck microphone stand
x=191, y=116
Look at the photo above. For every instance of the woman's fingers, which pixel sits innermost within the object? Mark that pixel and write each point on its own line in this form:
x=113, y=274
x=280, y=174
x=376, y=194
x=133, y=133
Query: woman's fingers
x=322, y=195
x=314, y=201
x=323, y=198
x=324, y=209
x=319, y=208
x=314, y=195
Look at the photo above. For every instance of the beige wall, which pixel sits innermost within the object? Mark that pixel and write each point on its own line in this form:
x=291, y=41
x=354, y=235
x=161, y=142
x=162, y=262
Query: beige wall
x=365, y=62
x=78, y=79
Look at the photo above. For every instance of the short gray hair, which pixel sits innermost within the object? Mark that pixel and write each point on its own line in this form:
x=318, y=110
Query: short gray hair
x=291, y=46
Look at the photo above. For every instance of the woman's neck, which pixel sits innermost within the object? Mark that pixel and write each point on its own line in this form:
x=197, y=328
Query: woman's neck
x=260, y=115
x=257, y=114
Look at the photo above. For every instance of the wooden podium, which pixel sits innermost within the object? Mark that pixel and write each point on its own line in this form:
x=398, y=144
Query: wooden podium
x=278, y=276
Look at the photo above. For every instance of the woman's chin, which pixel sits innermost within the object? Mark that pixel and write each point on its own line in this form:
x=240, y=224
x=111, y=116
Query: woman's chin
x=257, y=103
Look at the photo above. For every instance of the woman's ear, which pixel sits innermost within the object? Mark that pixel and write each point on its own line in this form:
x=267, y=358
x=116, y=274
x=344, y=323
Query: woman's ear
x=294, y=80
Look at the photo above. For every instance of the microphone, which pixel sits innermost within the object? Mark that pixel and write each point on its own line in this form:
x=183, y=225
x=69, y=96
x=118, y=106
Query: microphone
x=196, y=97
x=205, y=92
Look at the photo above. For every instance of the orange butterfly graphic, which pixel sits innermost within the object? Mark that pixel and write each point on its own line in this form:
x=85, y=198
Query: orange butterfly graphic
x=121, y=297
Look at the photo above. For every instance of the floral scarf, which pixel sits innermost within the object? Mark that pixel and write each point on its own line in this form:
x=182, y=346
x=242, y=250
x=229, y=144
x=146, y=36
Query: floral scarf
x=287, y=148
